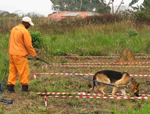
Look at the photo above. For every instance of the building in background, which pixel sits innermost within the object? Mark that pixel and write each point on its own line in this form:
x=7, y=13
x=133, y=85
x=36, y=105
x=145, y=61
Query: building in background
x=65, y=14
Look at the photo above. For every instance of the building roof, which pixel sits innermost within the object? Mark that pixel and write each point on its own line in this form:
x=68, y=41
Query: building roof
x=71, y=14
x=63, y=14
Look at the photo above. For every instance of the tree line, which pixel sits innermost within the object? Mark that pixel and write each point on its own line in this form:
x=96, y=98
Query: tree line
x=98, y=6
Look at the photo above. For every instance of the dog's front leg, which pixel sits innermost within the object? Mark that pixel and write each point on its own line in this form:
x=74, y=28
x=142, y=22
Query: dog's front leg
x=114, y=91
x=123, y=92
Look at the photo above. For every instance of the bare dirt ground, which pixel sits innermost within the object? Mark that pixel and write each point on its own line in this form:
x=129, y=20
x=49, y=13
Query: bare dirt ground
x=31, y=103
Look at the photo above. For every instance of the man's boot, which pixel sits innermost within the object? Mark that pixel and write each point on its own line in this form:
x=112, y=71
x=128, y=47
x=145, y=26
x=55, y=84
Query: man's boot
x=25, y=88
x=10, y=88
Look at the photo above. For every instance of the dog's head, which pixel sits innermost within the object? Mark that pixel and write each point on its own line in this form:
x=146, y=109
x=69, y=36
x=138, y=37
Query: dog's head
x=135, y=87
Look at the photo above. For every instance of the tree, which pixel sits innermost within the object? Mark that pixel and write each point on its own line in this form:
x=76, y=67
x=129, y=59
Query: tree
x=98, y=6
x=6, y=13
x=146, y=8
x=146, y=5
x=132, y=3
x=143, y=11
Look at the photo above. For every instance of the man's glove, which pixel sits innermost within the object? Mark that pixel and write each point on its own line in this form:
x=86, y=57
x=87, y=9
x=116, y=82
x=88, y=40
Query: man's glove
x=37, y=57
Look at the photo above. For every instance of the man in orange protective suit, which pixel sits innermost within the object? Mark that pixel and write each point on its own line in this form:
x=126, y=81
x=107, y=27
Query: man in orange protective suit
x=20, y=45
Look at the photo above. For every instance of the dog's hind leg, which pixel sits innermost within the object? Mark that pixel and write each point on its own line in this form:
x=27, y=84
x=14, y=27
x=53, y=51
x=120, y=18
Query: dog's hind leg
x=103, y=79
x=94, y=83
x=102, y=88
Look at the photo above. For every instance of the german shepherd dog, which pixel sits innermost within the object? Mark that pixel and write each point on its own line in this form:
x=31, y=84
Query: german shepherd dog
x=121, y=80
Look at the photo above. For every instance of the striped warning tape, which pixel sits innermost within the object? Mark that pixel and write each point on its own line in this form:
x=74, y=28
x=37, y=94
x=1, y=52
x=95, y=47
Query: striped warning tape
x=88, y=56
x=72, y=93
x=99, y=56
x=92, y=66
x=117, y=63
x=82, y=93
x=140, y=75
x=88, y=95
x=96, y=97
x=100, y=97
x=121, y=63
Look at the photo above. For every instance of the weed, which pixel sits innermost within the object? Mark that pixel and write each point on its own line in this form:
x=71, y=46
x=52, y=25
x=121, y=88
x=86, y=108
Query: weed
x=2, y=110
x=78, y=38
x=37, y=40
x=131, y=32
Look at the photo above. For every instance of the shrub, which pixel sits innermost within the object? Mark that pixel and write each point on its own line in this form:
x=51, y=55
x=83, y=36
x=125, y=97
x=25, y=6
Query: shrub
x=142, y=17
x=37, y=40
x=131, y=32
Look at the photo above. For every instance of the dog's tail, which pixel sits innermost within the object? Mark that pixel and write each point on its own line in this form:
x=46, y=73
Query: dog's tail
x=94, y=78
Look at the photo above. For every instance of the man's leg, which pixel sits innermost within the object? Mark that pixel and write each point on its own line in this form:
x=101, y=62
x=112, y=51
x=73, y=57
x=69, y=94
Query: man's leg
x=23, y=69
x=12, y=78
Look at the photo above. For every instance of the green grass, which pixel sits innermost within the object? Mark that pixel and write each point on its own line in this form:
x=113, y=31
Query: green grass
x=96, y=43
x=87, y=41
x=4, y=38
x=135, y=110
x=109, y=39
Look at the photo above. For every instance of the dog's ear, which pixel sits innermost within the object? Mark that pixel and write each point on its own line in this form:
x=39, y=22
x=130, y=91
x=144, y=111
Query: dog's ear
x=131, y=79
x=138, y=84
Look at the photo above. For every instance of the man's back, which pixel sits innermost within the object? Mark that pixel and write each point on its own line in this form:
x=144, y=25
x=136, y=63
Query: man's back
x=20, y=41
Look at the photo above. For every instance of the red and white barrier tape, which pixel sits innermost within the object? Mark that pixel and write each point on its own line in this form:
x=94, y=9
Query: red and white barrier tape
x=122, y=63
x=88, y=56
x=93, y=66
x=87, y=95
x=63, y=74
x=82, y=93
x=100, y=97
x=117, y=63
x=99, y=56
x=141, y=75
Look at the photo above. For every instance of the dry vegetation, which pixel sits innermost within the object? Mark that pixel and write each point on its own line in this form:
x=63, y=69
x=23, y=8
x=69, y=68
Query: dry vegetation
x=31, y=103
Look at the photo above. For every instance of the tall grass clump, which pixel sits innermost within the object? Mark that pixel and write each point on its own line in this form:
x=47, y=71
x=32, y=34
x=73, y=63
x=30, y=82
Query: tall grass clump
x=102, y=39
x=37, y=40
x=98, y=35
x=7, y=23
x=4, y=38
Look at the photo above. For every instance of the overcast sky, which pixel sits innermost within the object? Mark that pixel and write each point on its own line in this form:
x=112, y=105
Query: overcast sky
x=38, y=6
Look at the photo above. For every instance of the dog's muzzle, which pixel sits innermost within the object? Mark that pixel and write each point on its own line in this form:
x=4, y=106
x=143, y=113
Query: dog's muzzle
x=137, y=94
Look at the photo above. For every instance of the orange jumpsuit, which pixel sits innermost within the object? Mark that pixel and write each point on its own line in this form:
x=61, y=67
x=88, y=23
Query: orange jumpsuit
x=20, y=45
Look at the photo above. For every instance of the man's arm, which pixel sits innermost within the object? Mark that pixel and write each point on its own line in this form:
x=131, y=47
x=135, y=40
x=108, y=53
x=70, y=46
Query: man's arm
x=28, y=44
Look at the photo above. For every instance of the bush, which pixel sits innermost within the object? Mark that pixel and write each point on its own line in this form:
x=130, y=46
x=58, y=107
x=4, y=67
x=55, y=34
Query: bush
x=37, y=40
x=141, y=16
x=131, y=32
